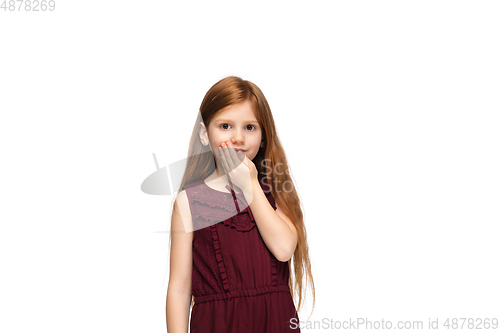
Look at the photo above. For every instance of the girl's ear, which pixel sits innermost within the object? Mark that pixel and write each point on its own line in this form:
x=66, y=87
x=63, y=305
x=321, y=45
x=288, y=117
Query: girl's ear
x=203, y=134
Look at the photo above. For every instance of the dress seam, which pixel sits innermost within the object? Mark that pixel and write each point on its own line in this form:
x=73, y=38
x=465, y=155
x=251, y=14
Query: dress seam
x=242, y=293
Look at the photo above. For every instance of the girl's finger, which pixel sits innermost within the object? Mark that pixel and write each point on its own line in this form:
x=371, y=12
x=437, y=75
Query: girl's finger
x=224, y=162
x=234, y=156
x=228, y=158
x=221, y=157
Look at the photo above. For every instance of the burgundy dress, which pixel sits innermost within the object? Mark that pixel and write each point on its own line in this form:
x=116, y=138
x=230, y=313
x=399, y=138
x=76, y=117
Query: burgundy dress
x=237, y=283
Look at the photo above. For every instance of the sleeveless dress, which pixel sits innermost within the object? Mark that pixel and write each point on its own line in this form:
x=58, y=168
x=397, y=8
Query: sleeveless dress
x=237, y=283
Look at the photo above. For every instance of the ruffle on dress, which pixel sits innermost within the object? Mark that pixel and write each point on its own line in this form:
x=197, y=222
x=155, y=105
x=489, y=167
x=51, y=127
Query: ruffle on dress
x=220, y=262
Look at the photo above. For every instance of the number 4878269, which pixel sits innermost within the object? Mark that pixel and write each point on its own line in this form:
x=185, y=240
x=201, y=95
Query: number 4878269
x=28, y=5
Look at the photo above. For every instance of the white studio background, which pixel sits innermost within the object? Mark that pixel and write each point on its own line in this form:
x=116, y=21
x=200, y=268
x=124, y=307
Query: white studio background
x=388, y=111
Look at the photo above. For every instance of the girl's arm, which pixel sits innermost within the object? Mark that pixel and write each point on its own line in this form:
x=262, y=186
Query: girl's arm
x=181, y=265
x=277, y=230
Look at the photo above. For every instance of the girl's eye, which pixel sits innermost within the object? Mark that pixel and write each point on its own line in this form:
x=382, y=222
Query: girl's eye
x=222, y=126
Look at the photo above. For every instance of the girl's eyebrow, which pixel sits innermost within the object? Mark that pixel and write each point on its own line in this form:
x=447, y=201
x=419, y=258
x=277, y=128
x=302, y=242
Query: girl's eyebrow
x=245, y=121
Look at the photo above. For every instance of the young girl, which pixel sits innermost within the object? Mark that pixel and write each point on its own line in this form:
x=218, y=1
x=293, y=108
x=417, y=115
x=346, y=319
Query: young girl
x=236, y=222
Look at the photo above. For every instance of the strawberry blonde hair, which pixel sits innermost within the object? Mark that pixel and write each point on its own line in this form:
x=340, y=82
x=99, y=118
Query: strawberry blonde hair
x=200, y=164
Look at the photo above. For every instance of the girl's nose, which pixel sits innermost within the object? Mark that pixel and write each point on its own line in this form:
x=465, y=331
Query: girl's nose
x=237, y=142
x=237, y=139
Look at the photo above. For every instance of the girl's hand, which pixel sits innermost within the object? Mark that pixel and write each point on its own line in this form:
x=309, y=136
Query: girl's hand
x=241, y=171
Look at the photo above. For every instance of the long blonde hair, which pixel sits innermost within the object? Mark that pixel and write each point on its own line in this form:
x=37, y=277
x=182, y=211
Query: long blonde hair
x=233, y=90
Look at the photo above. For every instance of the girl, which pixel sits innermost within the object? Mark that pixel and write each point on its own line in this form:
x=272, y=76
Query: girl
x=235, y=275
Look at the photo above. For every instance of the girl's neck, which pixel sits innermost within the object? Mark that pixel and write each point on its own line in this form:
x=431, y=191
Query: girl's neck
x=219, y=182
x=216, y=176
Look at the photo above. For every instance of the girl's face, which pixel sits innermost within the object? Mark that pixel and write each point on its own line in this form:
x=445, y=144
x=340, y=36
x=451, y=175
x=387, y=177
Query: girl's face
x=238, y=125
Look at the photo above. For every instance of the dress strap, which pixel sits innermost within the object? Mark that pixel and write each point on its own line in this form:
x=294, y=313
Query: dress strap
x=241, y=197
